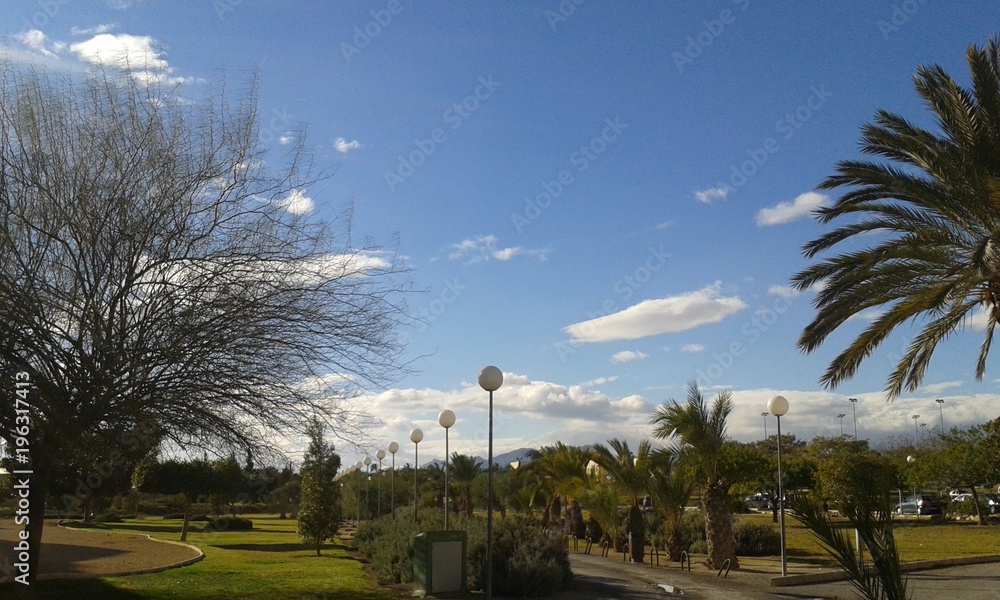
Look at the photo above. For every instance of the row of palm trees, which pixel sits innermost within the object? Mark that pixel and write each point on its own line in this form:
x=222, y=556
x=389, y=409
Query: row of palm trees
x=563, y=480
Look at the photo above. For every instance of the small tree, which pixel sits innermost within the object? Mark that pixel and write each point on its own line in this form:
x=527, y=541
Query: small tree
x=963, y=461
x=319, y=509
x=465, y=470
x=866, y=504
x=192, y=479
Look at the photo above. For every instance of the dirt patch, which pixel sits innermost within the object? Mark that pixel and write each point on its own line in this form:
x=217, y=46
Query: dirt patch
x=92, y=552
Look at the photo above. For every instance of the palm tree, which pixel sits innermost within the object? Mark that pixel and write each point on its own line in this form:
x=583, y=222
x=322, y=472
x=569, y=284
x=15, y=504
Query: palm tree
x=464, y=471
x=562, y=472
x=630, y=474
x=935, y=205
x=867, y=507
x=670, y=486
x=702, y=430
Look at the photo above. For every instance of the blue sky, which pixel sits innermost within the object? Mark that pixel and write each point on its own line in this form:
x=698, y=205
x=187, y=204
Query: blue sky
x=604, y=200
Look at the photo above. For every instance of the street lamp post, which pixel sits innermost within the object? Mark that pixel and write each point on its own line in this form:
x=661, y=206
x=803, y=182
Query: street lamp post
x=357, y=467
x=490, y=379
x=393, y=449
x=368, y=480
x=841, y=417
x=854, y=410
x=446, y=419
x=940, y=402
x=778, y=406
x=764, y=414
x=378, y=506
x=916, y=432
x=415, y=436
x=912, y=459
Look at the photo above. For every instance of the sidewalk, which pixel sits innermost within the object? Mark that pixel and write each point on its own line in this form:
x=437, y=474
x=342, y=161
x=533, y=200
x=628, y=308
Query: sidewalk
x=610, y=578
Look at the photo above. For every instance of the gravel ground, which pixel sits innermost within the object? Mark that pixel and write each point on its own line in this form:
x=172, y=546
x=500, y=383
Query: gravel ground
x=92, y=552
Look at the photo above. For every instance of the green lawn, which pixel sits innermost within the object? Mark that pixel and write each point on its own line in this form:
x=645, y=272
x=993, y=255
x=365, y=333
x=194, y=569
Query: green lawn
x=268, y=563
x=916, y=539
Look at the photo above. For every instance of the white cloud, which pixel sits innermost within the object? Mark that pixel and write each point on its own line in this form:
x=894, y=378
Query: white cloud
x=343, y=146
x=867, y=315
x=93, y=30
x=662, y=315
x=296, y=202
x=977, y=321
x=532, y=413
x=484, y=248
x=526, y=413
x=786, y=212
x=507, y=253
x=937, y=388
x=36, y=40
x=627, y=356
x=692, y=348
x=599, y=381
x=286, y=138
x=711, y=195
x=139, y=55
x=783, y=291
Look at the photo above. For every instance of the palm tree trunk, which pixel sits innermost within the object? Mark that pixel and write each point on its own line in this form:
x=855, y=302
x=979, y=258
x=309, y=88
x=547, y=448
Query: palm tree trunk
x=719, y=527
x=637, y=531
x=555, y=512
x=675, y=537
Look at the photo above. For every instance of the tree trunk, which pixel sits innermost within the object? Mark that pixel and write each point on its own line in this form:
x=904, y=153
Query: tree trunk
x=675, y=539
x=86, y=506
x=555, y=512
x=187, y=517
x=637, y=531
x=979, y=510
x=36, y=490
x=719, y=527
x=319, y=544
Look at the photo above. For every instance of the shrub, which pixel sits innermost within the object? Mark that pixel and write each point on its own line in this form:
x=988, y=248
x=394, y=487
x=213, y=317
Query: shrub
x=528, y=560
x=756, y=539
x=108, y=518
x=228, y=524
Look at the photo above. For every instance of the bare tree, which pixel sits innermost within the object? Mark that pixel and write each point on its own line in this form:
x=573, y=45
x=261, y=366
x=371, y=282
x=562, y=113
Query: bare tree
x=151, y=273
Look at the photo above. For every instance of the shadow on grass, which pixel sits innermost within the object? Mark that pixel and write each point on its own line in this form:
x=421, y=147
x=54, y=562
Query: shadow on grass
x=82, y=589
x=151, y=527
x=289, y=547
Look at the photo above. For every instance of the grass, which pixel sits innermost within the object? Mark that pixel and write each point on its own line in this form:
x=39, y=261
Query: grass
x=268, y=563
x=916, y=539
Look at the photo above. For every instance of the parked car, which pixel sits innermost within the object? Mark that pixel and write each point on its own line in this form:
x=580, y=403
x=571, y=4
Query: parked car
x=958, y=492
x=961, y=498
x=992, y=502
x=922, y=504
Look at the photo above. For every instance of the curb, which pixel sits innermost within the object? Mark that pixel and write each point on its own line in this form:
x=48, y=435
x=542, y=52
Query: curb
x=922, y=565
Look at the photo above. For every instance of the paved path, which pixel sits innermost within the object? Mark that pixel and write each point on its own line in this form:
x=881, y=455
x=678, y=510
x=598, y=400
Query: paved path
x=611, y=579
x=966, y=582
x=607, y=578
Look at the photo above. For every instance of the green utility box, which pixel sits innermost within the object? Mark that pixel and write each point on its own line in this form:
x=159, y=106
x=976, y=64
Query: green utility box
x=439, y=563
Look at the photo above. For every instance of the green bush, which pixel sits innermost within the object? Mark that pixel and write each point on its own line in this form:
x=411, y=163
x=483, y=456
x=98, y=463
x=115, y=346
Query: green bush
x=228, y=524
x=108, y=518
x=756, y=539
x=527, y=559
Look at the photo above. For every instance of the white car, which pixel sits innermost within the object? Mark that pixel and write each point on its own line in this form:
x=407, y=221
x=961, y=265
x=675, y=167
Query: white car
x=954, y=493
x=961, y=497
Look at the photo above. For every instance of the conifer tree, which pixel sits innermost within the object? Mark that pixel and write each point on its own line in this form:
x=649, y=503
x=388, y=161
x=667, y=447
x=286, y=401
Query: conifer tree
x=319, y=508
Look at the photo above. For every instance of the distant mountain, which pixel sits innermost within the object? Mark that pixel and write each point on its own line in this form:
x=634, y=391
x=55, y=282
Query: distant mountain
x=504, y=460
